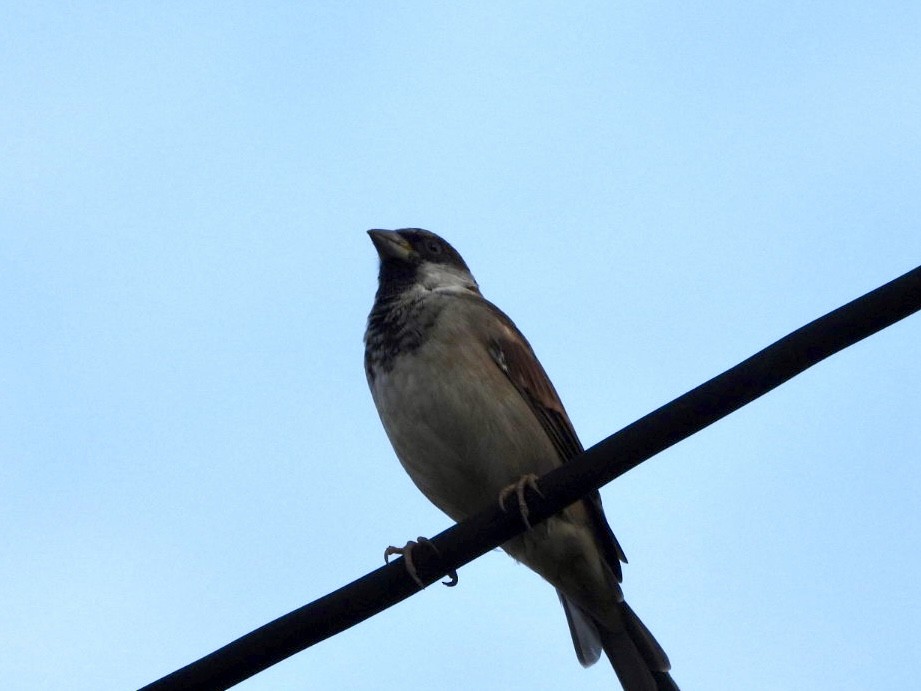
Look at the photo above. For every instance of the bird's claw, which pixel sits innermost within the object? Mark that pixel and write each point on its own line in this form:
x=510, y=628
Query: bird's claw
x=407, y=553
x=517, y=488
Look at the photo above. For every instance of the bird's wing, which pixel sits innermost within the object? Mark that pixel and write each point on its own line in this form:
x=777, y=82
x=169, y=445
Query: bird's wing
x=512, y=353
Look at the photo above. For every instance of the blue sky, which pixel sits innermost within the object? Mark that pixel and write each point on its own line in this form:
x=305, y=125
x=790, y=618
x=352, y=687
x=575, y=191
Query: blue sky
x=653, y=192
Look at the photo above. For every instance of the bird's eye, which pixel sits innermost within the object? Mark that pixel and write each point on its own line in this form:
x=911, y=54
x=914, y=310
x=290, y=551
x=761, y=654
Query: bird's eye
x=433, y=247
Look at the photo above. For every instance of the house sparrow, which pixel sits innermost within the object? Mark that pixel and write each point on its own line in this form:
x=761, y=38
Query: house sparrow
x=472, y=415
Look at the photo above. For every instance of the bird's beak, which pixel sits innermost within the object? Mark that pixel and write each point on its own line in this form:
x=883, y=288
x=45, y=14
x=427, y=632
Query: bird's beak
x=390, y=244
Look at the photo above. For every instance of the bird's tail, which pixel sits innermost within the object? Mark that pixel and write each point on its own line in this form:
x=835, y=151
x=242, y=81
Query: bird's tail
x=637, y=658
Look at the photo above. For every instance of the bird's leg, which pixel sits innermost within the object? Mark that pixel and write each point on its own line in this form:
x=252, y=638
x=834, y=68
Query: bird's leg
x=407, y=553
x=517, y=488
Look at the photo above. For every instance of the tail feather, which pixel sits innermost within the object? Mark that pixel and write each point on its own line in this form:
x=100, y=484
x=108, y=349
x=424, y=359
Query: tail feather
x=636, y=656
x=644, y=640
x=586, y=638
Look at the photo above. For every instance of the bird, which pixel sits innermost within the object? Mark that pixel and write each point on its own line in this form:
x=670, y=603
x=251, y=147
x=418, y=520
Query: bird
x=472, y=416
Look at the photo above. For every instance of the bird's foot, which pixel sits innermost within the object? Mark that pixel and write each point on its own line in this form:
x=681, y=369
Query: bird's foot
x=518, y=488
x=407, y=553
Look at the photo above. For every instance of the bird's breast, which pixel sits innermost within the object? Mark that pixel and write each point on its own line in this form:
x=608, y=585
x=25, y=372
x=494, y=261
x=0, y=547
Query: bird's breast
x=458, y=426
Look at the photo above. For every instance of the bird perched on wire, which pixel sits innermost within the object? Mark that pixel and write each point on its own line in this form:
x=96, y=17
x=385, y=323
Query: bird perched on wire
x=472, y=416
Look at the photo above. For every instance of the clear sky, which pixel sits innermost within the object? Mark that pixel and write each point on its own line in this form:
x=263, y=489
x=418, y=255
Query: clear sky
x=653, y=192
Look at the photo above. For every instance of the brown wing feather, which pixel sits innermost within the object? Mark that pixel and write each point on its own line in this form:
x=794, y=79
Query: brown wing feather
x=512, y=353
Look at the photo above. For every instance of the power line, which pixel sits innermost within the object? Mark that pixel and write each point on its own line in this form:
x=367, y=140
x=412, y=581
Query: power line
x=607, y=460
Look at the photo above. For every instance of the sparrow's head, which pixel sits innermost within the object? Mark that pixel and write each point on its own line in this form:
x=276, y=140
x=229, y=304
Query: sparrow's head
x=413, y=257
